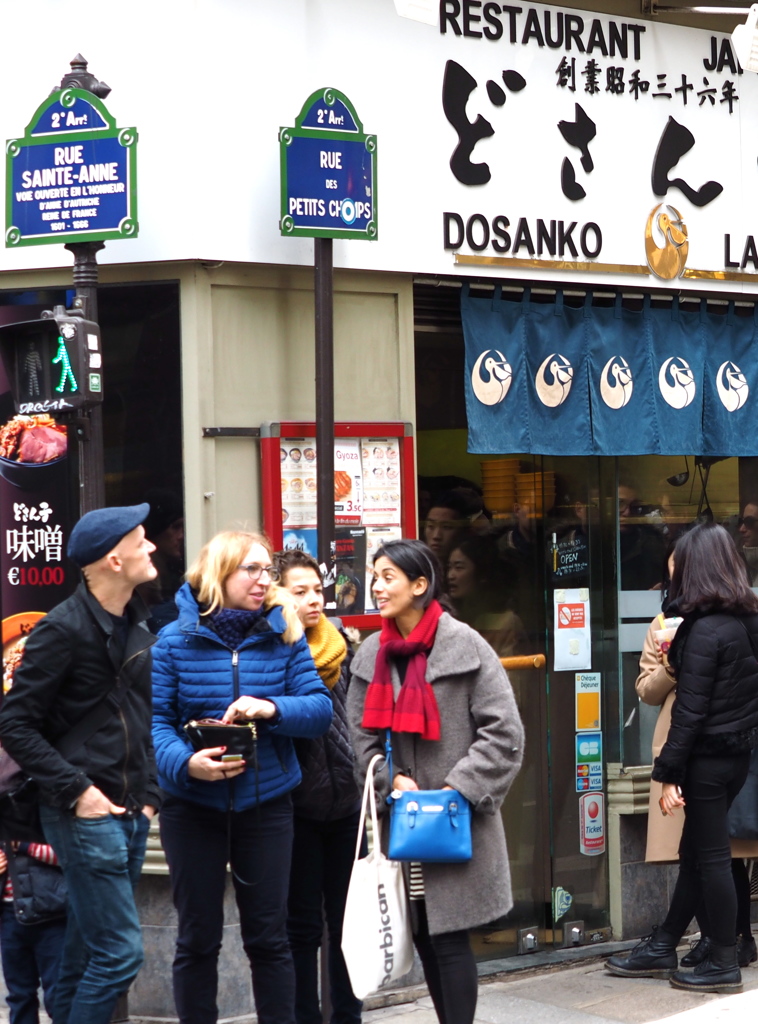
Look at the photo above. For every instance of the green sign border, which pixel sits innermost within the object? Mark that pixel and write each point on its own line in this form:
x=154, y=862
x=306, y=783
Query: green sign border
x=286, y=135
x=127, y=137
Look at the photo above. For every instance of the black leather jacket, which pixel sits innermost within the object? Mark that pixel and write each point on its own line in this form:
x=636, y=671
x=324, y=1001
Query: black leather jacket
x=716, y=706
x=69, y=665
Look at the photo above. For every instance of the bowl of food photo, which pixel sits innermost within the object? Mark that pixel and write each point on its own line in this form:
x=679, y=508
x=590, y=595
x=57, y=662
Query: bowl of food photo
x=31, y=448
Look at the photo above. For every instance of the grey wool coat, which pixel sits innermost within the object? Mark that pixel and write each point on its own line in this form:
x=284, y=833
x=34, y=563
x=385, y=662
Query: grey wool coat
x=479, y=753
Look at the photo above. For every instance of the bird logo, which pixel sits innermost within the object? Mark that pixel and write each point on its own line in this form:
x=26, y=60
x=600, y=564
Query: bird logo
x=616, y=384
x=491, y=377
x=732, y=386
x=667, y=261
x=676, y=382
x=553, y=380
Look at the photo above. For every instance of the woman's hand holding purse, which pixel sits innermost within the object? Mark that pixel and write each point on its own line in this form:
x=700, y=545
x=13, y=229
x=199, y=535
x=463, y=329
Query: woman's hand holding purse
x=206, y=765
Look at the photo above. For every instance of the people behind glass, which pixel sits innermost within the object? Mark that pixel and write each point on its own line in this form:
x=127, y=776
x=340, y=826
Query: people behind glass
x=164, y=527
x=641, y=542
x=452, y=516
x=747, y=526
x=482, y=591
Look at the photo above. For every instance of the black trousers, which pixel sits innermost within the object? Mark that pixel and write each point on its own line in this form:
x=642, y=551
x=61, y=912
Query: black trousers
x=196, y=840
x=449, y=969
x=322, y=861
x=705, y=868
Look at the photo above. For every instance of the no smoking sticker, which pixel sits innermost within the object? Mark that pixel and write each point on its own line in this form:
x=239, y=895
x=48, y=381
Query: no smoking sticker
x=571, y=616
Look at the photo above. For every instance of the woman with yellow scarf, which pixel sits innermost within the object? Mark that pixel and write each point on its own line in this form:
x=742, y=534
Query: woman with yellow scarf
x=327, y=810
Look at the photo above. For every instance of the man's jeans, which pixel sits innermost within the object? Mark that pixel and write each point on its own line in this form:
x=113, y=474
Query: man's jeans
x=101, y=860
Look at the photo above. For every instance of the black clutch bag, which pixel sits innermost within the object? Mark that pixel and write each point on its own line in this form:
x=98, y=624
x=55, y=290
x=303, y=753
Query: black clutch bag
x=209, y=732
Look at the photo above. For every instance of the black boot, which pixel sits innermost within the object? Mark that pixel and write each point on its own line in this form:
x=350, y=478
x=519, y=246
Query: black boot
x=719, y=972
x=698, y=953
x=654, y=957
x=746, y=951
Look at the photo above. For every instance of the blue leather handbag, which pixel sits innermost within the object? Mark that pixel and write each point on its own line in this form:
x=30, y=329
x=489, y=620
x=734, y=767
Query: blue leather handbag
x=432, y=826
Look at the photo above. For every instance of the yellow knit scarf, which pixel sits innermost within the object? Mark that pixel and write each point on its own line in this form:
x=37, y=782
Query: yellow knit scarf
x=328, y=649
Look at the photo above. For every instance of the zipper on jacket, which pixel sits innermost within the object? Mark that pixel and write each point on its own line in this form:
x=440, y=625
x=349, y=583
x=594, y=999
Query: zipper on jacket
x=126, y=755
x=125, y=726
x=236, y=674
x=236, y=686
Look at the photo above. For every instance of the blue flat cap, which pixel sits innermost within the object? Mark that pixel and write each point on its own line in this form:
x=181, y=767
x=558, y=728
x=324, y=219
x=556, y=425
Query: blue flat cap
x=98, y=532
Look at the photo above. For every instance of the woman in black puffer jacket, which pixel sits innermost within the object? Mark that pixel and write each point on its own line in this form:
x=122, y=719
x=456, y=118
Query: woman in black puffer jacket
x=704, y=762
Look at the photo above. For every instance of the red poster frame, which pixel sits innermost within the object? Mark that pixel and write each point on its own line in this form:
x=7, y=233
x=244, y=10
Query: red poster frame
x=271, y=480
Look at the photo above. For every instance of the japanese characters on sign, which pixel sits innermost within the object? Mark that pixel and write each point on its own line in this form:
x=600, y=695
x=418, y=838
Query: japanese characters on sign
x=328, y=171
x=620, y=127
x=72, y=177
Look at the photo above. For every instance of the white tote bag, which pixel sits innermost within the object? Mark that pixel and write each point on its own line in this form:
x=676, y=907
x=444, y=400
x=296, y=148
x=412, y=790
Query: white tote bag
x=376, y=930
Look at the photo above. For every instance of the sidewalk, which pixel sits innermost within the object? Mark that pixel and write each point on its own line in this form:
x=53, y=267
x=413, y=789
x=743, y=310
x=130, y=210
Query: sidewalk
x=538, y=990
x=587, y=994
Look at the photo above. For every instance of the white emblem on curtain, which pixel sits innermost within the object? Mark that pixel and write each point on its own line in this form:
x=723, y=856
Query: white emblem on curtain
x=681, y=392
x=616, y=384
x=732, y=386
x=555, y=393
x=491, y=377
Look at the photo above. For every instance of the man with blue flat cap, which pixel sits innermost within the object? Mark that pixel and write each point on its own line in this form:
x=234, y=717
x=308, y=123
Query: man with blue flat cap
x=85, y=677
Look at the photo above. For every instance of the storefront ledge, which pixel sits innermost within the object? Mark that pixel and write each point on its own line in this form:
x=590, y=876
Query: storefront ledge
x=155, y=858
x=628, y=788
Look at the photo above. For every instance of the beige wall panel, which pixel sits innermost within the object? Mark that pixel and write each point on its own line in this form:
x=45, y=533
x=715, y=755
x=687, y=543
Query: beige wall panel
x=262, y=355
x=367, y=365
x=236, y=499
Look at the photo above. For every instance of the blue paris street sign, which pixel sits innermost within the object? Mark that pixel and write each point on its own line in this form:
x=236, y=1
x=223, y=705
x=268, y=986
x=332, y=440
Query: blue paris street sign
x=73, y=176
x=328, y=171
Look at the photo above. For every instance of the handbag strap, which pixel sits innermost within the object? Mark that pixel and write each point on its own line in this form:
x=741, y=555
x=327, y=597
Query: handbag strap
x=369, y=802
x=388, y=748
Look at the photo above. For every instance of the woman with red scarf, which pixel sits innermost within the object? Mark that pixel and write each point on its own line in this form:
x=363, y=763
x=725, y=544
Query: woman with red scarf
x=442, y=692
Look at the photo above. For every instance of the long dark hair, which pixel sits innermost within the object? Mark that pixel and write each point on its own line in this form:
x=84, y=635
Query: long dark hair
x=709, y=575
x=415, y=559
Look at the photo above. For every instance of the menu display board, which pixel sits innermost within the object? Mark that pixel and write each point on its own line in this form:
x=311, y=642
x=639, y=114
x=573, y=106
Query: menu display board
x=374, y=499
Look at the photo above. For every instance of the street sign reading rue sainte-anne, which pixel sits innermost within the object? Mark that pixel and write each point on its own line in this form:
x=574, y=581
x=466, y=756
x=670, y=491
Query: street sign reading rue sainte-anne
x=73, y=176
x=328, y=171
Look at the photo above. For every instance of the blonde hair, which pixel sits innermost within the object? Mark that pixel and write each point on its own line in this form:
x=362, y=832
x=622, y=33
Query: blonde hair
x=222, y=556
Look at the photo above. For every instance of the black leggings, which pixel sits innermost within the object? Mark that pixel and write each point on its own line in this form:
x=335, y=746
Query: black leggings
x=705, y=869
x=741, y=881
x=449, y=969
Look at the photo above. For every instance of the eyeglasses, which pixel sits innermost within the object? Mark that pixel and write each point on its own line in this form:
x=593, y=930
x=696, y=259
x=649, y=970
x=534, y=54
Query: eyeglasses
x=632, y=508
x=749, y=521
x=255, y=571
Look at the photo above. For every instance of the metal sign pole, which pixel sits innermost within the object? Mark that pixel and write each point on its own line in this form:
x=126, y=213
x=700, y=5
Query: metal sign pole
x=89, y=426
x=324, y=294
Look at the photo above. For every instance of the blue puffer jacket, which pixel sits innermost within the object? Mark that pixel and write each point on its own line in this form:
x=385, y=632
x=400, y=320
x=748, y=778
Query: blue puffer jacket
x=195, y=675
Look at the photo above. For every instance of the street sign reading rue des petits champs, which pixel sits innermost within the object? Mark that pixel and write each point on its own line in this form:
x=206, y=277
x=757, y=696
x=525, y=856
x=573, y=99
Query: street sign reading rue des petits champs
x=328, y=171
x=73, y=175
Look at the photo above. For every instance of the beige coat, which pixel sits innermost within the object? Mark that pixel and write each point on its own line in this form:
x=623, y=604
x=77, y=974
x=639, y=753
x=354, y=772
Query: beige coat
x=657, y=687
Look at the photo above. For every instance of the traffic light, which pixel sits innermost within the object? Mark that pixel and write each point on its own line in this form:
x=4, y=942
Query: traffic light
x=53, y=364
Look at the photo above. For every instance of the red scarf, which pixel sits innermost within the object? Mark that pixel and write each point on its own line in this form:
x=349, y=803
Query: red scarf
x=416, y=707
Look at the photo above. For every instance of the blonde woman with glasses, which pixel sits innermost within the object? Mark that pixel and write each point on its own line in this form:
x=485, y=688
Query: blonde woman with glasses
x=237, y=654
